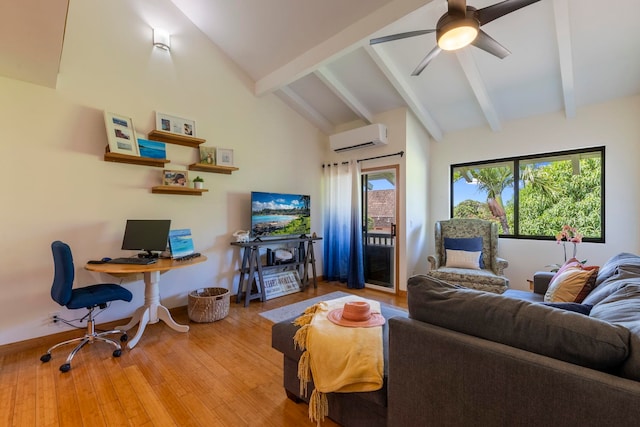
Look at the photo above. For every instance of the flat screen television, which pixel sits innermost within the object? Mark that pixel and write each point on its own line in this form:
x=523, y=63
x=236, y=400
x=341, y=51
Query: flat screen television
x=280, y=215
x=146, y=235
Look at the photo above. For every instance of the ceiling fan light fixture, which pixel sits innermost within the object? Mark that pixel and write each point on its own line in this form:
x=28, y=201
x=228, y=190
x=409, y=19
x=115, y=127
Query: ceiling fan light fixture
x=457, y=33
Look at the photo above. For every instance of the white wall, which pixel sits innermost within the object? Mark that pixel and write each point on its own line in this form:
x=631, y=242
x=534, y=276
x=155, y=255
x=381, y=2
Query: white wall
x=58, y=187
x=615, y=124
x=416, y=180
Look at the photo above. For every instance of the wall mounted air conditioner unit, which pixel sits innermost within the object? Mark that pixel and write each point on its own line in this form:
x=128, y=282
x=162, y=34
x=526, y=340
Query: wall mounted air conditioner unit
x=366, y=136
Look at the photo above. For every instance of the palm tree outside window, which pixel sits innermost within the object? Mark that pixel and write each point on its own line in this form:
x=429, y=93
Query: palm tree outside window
x=549, y=191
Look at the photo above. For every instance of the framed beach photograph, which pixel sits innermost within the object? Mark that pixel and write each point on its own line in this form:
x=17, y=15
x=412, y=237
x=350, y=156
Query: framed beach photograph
x=208, y=155
x=224, y=157
x=152, y=149
x=120, y=134
x=173, y=124
x=175, y=178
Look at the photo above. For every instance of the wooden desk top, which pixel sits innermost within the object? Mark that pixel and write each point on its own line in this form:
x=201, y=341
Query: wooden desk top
x=163, y=264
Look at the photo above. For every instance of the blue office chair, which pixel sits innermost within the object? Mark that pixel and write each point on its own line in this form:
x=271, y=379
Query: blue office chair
x=88, y=297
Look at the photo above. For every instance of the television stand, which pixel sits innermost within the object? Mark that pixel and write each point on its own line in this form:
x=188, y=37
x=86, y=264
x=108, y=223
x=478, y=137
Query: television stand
x=252, y=269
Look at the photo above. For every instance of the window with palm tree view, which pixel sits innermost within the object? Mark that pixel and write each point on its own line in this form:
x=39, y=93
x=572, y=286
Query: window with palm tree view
x=547, y=192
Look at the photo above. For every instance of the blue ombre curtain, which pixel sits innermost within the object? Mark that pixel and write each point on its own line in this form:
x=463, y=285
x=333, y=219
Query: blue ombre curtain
x=343, y=225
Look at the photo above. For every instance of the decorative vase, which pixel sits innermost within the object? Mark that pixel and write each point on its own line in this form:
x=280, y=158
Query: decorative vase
x=198, y=185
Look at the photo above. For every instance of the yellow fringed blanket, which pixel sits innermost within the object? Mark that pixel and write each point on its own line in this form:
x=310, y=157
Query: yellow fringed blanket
x=340, y=359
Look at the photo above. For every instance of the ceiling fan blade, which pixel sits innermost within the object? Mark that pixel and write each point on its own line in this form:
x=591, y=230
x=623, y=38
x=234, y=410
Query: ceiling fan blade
x=400, y=36
x=489, y=13
x=457, y=7
x=434, y=52
x=485, y=42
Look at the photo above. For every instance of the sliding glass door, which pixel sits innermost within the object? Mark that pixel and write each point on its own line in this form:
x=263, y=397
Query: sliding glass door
x=379, y=212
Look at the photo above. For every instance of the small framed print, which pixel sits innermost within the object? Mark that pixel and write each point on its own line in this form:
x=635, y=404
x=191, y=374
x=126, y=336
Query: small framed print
x=207, y=155
x=175, y=178
x=173, y=124
x=224, y=157
x=121, y=135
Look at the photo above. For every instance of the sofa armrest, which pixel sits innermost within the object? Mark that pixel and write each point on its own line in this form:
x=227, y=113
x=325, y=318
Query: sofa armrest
x=501, y=264
x=541, y=280
x=434, y=260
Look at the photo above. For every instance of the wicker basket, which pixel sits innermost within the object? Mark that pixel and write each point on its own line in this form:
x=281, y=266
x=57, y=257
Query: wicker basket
x=208, y=304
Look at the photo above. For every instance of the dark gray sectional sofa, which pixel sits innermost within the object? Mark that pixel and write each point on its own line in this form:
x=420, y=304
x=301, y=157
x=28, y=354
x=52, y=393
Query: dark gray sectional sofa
x=471, y=358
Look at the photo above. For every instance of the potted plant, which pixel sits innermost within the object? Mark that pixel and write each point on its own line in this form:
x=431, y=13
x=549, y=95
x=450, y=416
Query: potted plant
x=198, y=182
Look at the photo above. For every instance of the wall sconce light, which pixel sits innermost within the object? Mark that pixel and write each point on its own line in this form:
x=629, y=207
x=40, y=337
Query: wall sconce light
x=161, y=39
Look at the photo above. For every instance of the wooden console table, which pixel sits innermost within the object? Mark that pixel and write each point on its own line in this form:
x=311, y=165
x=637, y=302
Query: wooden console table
x=252, y=265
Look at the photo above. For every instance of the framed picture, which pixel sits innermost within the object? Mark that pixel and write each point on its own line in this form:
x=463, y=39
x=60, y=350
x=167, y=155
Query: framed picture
x=152, y=149
x=173, y=124
x=175, y=178
x=208, y=155
x=224, y=157
x=121, y=135
x=282, y=283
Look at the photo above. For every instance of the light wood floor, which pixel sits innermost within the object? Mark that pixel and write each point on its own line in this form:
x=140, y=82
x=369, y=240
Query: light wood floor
x=223, y=373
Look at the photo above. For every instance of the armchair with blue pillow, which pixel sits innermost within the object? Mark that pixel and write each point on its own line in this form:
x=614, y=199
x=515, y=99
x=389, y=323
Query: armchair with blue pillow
x=467, y=255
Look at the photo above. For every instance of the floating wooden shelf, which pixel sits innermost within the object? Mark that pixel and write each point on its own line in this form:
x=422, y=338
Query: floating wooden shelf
x=134, y=160
x=173, y=138
x=170, y=189
x=203, y=167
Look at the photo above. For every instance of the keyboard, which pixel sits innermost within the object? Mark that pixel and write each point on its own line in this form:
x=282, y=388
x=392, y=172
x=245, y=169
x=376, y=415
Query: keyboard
x=187, y=257
x=134, y=261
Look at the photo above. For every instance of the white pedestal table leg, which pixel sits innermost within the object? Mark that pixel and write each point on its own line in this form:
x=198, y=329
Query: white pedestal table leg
x=152, y=311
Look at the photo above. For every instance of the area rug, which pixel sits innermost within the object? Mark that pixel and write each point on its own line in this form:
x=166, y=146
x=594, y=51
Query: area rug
x=288, y=311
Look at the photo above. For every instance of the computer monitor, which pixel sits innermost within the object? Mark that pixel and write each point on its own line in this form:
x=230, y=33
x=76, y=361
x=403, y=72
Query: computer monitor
x=146, y=235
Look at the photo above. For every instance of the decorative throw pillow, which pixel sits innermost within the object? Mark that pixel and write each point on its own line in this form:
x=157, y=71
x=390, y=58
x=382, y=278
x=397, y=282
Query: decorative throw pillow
x=463, y=259
x=573, y=262
x=571, y=306
x=470, y=244
x=571, y=285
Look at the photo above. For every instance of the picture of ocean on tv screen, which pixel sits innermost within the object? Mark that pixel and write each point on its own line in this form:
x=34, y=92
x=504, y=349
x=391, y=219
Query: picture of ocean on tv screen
x=279, y=214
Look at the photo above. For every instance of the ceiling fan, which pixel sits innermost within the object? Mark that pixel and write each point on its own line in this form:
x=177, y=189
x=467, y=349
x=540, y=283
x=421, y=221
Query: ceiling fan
x=460, y=26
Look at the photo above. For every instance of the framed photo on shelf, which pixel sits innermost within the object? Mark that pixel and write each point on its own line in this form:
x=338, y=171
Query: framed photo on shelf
x=224, y=157
x=173, y=124
x=208, y=155
x=121, y=135
x=281, y=283
x=152, y=149
x=175, y=178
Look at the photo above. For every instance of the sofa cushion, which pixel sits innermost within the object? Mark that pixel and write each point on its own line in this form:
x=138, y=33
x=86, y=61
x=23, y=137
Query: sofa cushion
x=463, y=259
x=622, y=307
x=534, y=327
x=628, y=261
x=572, y=285
x=623, y=276
x=469, y=244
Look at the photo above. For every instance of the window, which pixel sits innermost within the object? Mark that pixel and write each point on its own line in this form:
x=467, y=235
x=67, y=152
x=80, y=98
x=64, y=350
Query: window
x=549, y=191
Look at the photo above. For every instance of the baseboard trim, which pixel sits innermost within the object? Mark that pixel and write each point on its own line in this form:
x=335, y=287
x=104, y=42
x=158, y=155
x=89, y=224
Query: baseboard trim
x=47, y=341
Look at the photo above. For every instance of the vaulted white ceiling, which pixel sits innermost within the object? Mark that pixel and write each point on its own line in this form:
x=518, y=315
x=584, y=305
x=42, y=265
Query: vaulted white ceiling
x=316, y=56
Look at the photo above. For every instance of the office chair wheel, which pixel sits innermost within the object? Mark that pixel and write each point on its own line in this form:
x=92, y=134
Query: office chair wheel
x=45, y=358
x=65, y=367
x=117, y=353
x=124, y=338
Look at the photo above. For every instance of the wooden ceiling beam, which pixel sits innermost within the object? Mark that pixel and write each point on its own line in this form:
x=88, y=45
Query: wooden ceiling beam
x=403, y=88
x=476, y=82
x=341, y=91
x=342, y=43
x=563, y=33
